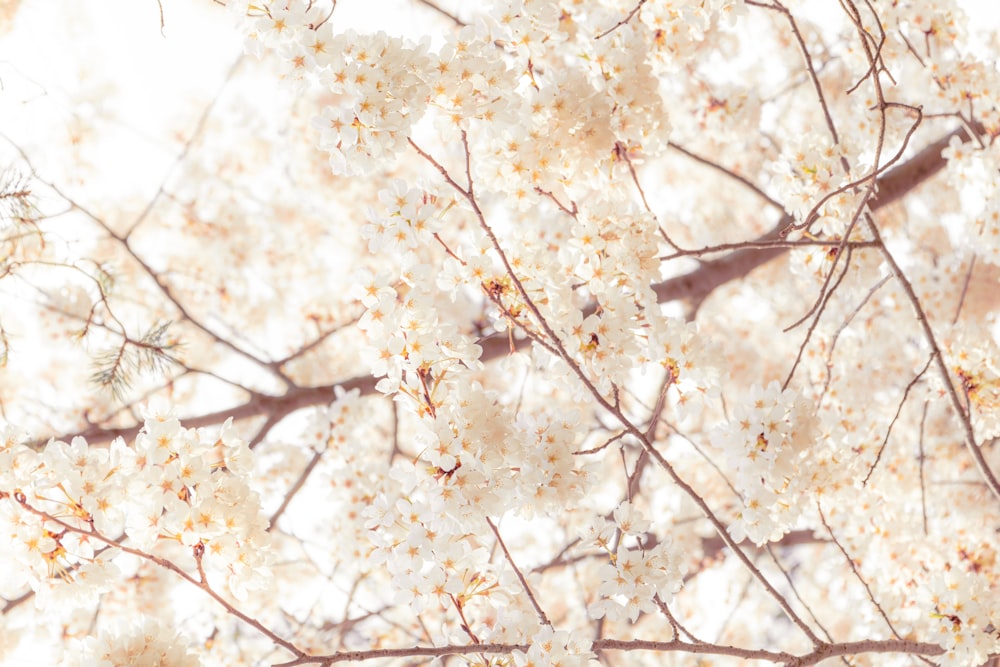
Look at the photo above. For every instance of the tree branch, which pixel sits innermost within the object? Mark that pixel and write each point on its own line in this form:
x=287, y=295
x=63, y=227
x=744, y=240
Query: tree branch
x=693, y=286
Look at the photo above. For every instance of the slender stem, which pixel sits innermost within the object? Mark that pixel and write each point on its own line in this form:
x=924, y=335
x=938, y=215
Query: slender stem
x=520, y=577
x=854, y=569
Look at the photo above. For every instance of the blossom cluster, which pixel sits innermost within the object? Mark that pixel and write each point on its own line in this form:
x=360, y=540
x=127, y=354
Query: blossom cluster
x=71, y=508
x=639, y=574
x=542, y=322
x=470, y=468
x=766, y=443
x=974, y=361
x=384, y=83
x=557, y=647
x=691, y=359
x=810, y=170
x=143, y=644
x=975, y=171
x=408, y=343
x=965, y=620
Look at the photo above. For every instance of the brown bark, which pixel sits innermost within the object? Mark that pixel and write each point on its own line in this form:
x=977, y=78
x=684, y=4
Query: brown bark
x=694, y=287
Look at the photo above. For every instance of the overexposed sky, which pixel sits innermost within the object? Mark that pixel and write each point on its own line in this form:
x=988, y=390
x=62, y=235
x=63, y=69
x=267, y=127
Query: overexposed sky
x=66, y=62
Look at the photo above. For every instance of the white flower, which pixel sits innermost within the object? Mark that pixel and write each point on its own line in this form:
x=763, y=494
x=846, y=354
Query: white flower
x=143, y=644
x=557, y=647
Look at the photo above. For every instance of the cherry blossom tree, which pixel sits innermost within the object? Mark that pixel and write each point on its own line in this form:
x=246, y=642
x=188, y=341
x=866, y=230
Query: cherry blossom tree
x=524, y=332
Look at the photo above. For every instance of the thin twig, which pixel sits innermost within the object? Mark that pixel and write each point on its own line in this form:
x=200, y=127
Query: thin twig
x=812, y=75
x=159, y=4
x=921, y=458
x=622, y=153
x=854, y=569
x=520, y=577
x=965, y=289
x=791, y=586
x=625, y=20
x=443, y=12
x=296, y=487
x=825, y=293
x=768, y=245
x=899, y=409
x=843, y=327
x=730, y=173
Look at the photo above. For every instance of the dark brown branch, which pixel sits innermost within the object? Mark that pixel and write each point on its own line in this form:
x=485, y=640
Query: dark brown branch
x=694, y=286
x=897, y=182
